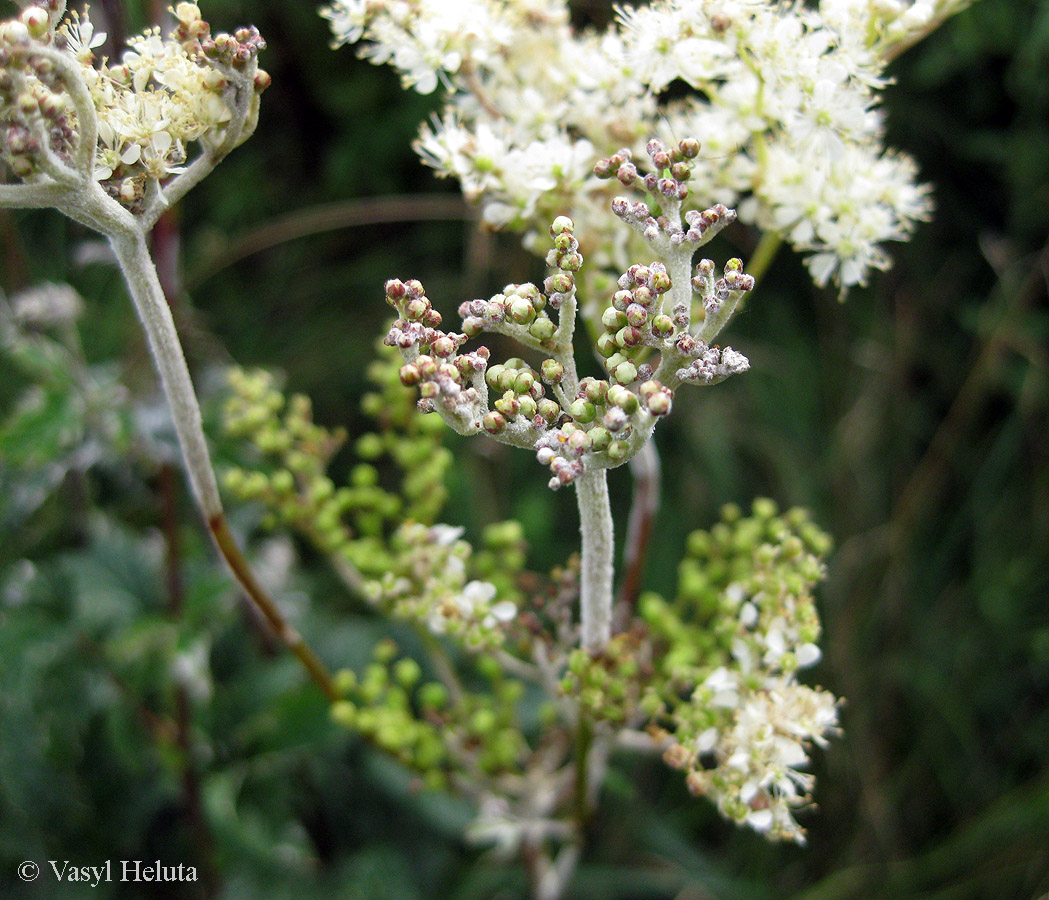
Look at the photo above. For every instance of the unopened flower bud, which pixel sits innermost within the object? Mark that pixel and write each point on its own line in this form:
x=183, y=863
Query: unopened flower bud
x=613, y=319
x=659, y=403
x=542, y=329
x=548, y=409
x=606, y=344
x=582, y=410
x=395, y=290
x=36, y=21
x=493, y=422
x=625, y=372
x=553, y=371
x=599, y=438
x=524, y=381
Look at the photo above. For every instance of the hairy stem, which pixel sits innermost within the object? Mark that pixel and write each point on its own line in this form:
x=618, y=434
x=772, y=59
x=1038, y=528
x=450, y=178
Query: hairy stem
x=595, y=595
x=141, y=275
x=148, y=296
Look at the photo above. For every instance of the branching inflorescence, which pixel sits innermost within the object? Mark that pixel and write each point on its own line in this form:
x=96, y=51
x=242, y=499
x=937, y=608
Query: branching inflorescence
x=579, y=427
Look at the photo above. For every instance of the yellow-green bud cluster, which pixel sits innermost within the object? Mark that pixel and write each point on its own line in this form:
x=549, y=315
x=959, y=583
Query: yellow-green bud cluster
x=350, y=522
x=608, y=686
x=438, y=730
x=391, y=706
x=502, y=559
x=412, y=441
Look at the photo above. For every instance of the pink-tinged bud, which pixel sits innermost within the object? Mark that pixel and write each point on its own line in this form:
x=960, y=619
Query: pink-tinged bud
x=560, y=225
x=606, y=345
x=508, y=405
x=36, y=21
x=659, y=403
x=662, y=326
x=410, y=375
x=628, y=336
x=636, y=315
x=493, y=422
x=443, y=347
x=428, y=390
x=553, y=371
x=395, y=290
x=549, y=410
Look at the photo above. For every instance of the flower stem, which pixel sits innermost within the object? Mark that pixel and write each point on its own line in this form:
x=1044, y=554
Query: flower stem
x=141, y=275
x=595, y=596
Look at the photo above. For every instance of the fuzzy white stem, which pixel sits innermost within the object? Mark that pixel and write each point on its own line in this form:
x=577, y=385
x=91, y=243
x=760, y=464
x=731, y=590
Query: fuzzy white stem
x=595, y=595
x=141, y=276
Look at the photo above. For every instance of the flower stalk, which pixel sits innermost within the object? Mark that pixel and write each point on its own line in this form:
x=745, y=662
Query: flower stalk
x=54, y=102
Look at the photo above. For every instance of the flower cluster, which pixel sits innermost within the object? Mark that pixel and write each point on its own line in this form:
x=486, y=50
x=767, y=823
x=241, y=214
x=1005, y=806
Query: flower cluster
x=133, y=120
x=578, y=425
x=351, y=523
x=435, y=727
x=724, y=697
x=785, y=97
x=430, y=582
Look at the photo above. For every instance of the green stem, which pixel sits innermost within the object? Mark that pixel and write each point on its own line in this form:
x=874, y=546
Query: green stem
x=763, y=254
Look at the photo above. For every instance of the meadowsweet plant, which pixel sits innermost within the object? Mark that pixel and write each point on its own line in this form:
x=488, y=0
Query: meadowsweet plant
x=782, y=101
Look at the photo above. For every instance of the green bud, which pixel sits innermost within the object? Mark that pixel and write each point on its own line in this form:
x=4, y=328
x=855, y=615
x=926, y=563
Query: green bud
x=542, y=329
x=548, y=409
x=407, y=672
x=521, y=311
x=493, y=422
x=764, y=508
x=618, y=450
x=606, y=344
x=582, y=411
x=384, y=651
x=344, y=713
x=613, y=319
x=625, y=373
x=599, y=438
x=662, y=326
x=527, y=406
x=493, y=374
x=553, y=371
x=345, y=681
x=560, y=225
x=433, y=695
x=524, y=381
x=483, y=722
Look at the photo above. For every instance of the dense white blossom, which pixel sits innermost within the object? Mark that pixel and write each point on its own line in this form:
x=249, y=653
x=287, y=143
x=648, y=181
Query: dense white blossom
x=782, y=96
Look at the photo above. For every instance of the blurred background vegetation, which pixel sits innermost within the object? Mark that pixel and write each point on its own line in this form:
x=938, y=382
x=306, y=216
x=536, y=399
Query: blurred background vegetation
x=144, y=715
